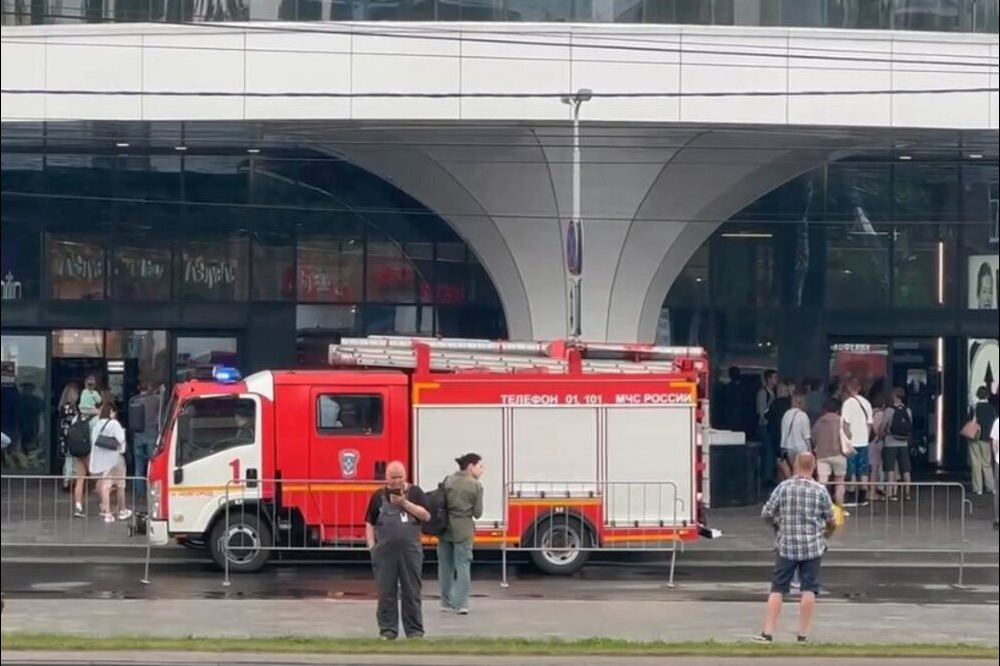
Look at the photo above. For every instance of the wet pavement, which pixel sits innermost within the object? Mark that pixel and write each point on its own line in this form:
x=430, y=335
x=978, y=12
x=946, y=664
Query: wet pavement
x=610, y=582
x=631, y=619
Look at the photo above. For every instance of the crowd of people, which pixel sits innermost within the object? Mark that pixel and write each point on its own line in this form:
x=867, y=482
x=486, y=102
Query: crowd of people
x=863, y=437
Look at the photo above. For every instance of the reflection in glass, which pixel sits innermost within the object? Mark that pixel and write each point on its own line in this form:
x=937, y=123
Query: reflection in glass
x=23, y=411
x=392, y=275
x=75, y=343
x=147, y=348
x=330, y=271
x=141, y=273
x=212, y=271
x=194, y=352
x=75, y=267
x=19, y=269
x=273, y=267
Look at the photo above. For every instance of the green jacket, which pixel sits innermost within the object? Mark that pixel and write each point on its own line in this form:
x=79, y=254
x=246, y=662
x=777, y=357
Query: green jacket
x=465, y=504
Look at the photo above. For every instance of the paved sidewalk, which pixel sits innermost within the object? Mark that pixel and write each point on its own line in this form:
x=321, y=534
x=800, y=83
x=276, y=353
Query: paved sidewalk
x=193, y=659
x=629, y=620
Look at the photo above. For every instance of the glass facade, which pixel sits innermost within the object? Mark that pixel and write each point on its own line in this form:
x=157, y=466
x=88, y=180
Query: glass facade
x=934, y=15
x=137, y=253
x=895, y=250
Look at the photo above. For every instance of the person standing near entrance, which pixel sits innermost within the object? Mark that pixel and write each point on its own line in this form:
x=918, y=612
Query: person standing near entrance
x=980, y=458
x=145, y=410
x=765, y=397
x=464, y=499
x=859, y=415
x=896, y=450
x=995, y=443
x=392, y=531
x=802, y=513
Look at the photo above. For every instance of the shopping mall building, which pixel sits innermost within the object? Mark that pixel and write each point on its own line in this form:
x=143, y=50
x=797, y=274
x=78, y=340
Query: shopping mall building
x=810, y=185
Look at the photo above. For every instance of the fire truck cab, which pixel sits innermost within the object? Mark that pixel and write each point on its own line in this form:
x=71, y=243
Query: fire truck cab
x=604, y=436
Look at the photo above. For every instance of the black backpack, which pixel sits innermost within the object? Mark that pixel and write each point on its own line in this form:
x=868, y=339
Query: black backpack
x=902, y=424
x=78, y=442
x=437, y=505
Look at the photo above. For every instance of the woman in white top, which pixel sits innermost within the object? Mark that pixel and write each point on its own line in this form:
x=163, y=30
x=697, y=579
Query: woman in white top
x=108, y=464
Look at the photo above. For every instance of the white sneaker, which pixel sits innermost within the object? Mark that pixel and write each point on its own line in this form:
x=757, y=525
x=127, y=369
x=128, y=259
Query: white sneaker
x=124, y=514
x=78, y=511
x=108, y=518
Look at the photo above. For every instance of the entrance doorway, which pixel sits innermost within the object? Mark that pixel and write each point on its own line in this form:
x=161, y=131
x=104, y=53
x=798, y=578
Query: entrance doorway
x=911, y=364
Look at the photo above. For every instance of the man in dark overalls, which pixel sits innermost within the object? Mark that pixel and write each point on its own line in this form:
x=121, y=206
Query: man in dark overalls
x=392, y=530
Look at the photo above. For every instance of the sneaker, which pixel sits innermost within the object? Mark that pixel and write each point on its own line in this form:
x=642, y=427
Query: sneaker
x=124, y=514
x=763, y=638
x=802, y=640
x=387, y=636
x=462, y=611
x=108, y=517
x=78, y=511
x=415, y=637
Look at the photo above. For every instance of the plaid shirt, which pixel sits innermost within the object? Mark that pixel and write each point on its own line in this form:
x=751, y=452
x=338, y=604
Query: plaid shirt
x=799, y=508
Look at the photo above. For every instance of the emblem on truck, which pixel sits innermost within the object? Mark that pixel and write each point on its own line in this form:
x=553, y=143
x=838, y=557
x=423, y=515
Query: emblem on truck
x=349, y=463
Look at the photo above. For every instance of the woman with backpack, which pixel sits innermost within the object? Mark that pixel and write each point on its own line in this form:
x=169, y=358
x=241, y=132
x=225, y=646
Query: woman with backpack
x=107, y=461
x=74, y=468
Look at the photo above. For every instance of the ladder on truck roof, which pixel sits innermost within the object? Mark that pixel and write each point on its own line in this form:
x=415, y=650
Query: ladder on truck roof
x=455, y=354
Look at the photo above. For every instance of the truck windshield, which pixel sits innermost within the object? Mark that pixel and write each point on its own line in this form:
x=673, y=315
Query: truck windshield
x=207, y=426
x=165, y=416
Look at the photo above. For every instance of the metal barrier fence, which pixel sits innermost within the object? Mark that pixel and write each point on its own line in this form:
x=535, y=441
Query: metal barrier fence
x=558, y=523
x=41, y=511
x=916, y=517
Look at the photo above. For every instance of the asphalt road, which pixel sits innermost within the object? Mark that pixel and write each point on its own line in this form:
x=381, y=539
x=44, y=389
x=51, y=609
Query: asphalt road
x=190, y=580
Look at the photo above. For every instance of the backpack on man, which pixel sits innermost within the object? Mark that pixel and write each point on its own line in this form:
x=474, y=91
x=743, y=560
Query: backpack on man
x=901, y=426
x=437, y=505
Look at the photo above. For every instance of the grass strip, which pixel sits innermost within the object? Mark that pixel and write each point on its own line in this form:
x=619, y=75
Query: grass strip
x=485, y=646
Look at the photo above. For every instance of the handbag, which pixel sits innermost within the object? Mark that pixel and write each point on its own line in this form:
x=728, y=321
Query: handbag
x=106, y=442
x=971, y=430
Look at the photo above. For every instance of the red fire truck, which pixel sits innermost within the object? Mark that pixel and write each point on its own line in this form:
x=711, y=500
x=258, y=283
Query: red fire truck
x=586, y=445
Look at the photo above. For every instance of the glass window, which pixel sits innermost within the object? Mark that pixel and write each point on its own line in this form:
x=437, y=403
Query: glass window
x=207, y=426
x=330, y=271
x=23, y=394
x=75, y=267
x=536, y=11
x=341, y=414
x=19, y=261
x=193, y=352
x=73, y=343
x=936, y=15
x=743, y=267
x=273, y=266
x=149, y=351
x=855, y=14
x=454, y=277
x=212, y=271
x=392, y=275
x=916, y=250
x=399, y=320
x=141, y=270
x=857, y=266
x=691, y=287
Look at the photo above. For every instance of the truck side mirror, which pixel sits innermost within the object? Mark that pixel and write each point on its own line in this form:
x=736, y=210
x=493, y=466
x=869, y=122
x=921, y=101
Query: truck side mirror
x=178, y=476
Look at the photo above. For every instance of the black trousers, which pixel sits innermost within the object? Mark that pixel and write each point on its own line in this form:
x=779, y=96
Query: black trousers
x=398, y=568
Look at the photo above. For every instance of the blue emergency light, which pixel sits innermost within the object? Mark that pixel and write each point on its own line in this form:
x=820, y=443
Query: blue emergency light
x=224, y=375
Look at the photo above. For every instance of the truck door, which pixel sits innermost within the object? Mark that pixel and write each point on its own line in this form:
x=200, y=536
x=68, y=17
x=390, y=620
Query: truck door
x=350, y=440
x=216, y=442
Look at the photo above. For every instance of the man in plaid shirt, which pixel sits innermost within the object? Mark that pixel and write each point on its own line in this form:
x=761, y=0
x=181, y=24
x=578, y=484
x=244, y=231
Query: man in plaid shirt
x=802, y=513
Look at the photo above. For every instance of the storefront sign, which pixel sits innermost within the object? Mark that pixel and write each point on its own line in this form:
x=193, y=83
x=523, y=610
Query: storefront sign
x=12, y=289
x=208, y=273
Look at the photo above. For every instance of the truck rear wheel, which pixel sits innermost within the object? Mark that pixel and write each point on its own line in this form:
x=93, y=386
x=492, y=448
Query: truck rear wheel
x=561, y=545
x=245, y=539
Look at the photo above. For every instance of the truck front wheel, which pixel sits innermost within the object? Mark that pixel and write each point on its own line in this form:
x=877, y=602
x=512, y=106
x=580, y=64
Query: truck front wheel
x=561, y=546
x=244, y=539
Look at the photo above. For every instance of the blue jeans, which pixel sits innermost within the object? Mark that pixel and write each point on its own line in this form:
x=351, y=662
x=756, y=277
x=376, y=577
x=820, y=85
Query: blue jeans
x=455, y=572
x=142, y=446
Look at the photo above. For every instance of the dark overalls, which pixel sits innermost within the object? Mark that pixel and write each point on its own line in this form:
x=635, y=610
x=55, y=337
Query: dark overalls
x=398, y=560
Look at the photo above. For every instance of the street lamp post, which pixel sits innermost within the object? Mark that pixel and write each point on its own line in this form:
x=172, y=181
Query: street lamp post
x=574, y=231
